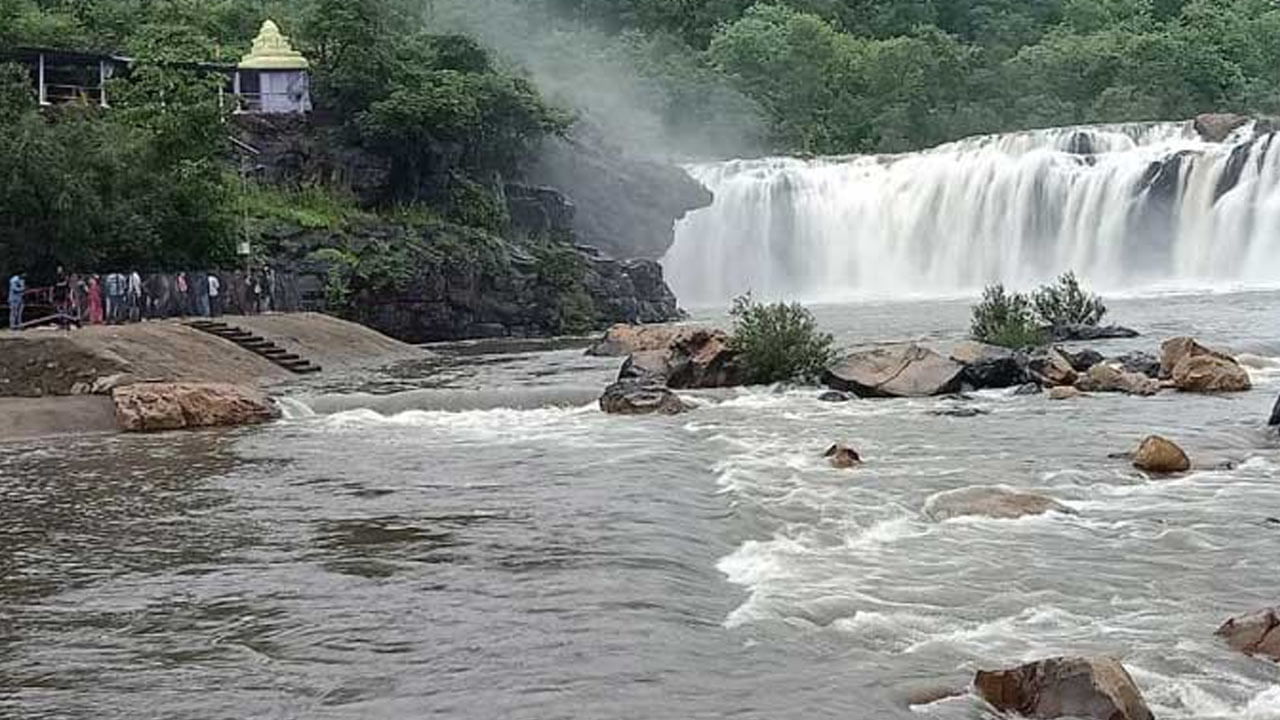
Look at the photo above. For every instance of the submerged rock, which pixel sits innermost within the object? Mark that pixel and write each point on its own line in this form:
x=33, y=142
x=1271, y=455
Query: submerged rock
x=1028, y=389
x=834, y=396
x=1052, y=368
x=990, y=366
x=992, y=502
x=1159, y=455
x=903, y=371
x=1064, y=392
x=842, y=457
x=640, y=397
x=1254, y=634
x=1275, y=415
x=960, y=411
x=1097, y=688
x=1106, y=378
x=151, y=407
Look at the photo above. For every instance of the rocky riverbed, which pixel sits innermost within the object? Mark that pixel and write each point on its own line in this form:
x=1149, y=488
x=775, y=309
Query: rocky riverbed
x=472, y=537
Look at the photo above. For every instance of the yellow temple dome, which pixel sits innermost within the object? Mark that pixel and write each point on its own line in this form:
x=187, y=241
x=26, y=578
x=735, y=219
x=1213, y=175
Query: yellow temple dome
x=271, y=51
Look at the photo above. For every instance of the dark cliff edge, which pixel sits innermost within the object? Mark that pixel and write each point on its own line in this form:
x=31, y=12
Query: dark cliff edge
x=547, y=265
x=627, y=206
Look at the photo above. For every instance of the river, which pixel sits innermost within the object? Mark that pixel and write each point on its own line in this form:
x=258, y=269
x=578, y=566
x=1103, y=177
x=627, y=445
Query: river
x=372, y=560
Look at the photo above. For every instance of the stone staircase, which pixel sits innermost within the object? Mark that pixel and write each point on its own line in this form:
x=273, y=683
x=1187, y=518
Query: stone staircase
x=258, y=345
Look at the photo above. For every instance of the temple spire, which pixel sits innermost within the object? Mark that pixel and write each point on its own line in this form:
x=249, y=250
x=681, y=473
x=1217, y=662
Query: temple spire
x=272, y=51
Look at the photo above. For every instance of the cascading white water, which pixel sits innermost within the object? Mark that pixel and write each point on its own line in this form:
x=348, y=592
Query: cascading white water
x=1125, y=206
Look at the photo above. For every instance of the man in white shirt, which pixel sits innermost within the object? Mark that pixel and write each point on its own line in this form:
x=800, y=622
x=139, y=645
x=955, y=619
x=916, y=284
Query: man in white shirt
x=215, y=291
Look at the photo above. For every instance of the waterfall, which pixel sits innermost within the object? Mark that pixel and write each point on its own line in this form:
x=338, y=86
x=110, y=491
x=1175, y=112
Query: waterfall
x=1125, y=206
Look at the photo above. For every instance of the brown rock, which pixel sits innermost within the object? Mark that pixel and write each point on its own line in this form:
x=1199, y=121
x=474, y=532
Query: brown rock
x=149, y=407
x=901, y=371
x=1177, y=349
x=1098, y=688
x=1064, y=392
x=1052, y=369
x=842, y=457
x=1159, y=455
x=1210, y=374
x=1217, y=127
x=640, y=397
x=1108, y=378
x=682, y=357
x=1254, y=634
x=992, y=502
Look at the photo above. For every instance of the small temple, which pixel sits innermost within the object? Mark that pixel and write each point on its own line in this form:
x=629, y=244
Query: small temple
x=272, y=79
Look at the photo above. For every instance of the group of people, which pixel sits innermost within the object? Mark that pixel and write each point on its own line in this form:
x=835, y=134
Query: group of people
x=117, y=298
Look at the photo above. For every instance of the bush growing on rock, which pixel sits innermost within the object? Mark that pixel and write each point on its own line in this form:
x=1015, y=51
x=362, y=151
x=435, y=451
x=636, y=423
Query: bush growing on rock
x=1018, y=321
x=1065, y=303
x=778, y=342
x=1006, y=319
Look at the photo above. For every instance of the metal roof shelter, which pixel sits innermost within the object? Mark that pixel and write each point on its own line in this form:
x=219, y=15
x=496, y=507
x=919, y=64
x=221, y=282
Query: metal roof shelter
x=69, y=76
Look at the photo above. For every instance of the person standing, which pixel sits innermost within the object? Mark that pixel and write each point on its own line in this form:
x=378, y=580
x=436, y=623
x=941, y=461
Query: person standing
x=215, y=295
x=95, y=301
x=184, y=295
x=134, y=297
x=17, y=292
x=114, y=292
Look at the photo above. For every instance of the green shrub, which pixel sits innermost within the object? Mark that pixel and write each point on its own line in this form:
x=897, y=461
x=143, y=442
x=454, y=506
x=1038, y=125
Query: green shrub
x=1065, y=303
x=1006, y=319
x=778, y=342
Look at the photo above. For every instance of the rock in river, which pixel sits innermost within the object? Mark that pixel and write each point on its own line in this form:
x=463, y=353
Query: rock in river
x=1052, y=368
x=1158, y=455
x=1097, y=688
x=1064, y=392
x=682, y=357
x=150, y=407
x=1107, y=378
x=1176, y=350
x=1080, y=333
x=640, y=397
x=992, y=502
x=1254, y=634
x=1139, y=362
x=1210, y=374
x=842, y=456
x=901, y=371
x=990, y=366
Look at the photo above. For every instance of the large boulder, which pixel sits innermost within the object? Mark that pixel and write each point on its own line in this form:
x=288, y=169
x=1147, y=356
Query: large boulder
x=990, y=366
x=622, y=340
x=1217, y=127
x=690, y=358
x=1083, y=360
x=1107, y=378
x=900, y=371
x=1096, y=688
x=1159, y=455
x=640, y=397
x=1052, y=368
x=1254, y=634
x=151, y=407
x=1210, y=374
x=991, y=502
x=1175, y=350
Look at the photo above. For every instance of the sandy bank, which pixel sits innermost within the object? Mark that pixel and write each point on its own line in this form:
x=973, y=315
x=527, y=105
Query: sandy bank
x=56, y=365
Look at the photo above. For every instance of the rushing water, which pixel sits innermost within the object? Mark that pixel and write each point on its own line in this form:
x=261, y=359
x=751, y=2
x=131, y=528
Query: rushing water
x=366, y=559
x=1124, y=206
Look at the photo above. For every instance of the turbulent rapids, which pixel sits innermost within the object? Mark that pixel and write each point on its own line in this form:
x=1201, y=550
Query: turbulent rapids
x=1139, y=205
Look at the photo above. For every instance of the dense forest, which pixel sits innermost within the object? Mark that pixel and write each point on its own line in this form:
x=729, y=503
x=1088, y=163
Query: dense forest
x=840, y=76
x=149, y=183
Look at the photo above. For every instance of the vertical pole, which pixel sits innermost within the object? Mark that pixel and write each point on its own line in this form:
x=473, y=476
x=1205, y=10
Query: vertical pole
x=44, y=95
x=235, y=89
x=102, y=83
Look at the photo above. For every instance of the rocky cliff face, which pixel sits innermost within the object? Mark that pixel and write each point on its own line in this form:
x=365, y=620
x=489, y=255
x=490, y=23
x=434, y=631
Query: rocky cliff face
x=565, y=265
x=626, y=207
